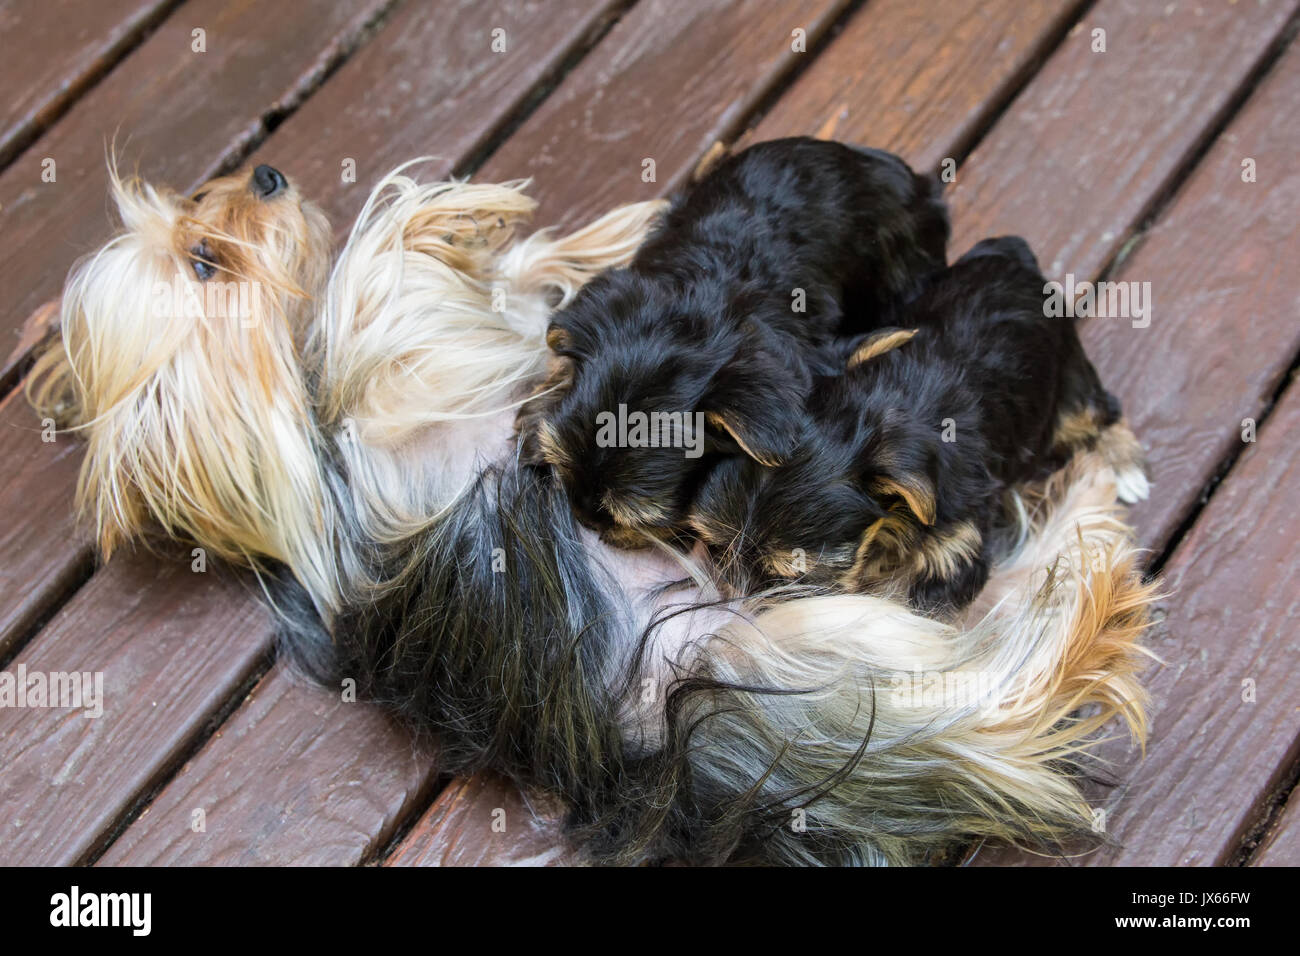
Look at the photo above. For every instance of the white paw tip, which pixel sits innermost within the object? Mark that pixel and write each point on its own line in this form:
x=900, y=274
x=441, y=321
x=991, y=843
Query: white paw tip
x=1132, y=486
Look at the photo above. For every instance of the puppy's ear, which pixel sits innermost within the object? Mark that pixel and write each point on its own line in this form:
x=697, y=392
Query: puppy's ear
x=537, y=438
x=904, y=474
x=757, y=405
x=765, y=444
x=916, y=491
x=878, y=343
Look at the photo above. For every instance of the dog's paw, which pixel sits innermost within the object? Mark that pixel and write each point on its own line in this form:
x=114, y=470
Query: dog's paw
x=1132, y=484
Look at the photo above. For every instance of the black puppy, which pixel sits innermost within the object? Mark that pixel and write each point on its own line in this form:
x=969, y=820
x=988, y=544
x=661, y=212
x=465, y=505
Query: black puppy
x=708, y=343
x=902, y=480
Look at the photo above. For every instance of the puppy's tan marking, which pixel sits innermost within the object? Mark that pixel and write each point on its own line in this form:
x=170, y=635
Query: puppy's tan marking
x=557, y=338
x=827, y=130
x=712, y=156
x=915, y=492
x=878, y=344
x=943, y=553
x=718, y=420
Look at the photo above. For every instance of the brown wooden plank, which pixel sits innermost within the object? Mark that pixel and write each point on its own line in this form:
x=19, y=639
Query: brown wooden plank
x=42, y=553
x=1281, y=847
x=666, y=83
x=295, y=777
x=1223, y=329
x=55, y=51
x=171, y=656
x=174, y=114
x=1083, y=151
x=426, y=86
x=1205, y=363
x=918, y=79
x=482, y=820
x=1214, y=757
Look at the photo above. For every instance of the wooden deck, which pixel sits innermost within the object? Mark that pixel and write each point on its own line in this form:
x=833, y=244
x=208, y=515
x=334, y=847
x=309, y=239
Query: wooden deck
x=1125, y=164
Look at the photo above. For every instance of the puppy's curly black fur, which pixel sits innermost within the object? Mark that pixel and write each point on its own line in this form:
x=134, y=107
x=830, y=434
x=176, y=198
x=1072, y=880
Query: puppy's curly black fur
x=752, y=288
x=903, y=478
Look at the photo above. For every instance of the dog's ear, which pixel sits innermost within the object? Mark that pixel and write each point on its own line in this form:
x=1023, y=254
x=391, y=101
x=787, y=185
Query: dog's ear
x=904, y=474
x=915, y=491
x=878, y=343
x=762, y=414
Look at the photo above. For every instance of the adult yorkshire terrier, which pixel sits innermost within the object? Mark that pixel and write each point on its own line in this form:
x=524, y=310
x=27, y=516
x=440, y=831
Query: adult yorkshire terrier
x=359, y=434
x=188, y=343
x=904, y=475
x=726, y=317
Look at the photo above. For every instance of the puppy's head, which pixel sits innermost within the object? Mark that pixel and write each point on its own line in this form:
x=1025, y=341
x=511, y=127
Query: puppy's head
x=179, y=364
x=861, y=484
x=639, y=408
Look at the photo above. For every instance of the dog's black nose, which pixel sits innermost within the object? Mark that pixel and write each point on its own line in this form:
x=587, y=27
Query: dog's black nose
x=267, y=181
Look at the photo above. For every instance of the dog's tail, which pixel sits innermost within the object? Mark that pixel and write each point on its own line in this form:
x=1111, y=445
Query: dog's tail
x=844, y=729
x=559, y=267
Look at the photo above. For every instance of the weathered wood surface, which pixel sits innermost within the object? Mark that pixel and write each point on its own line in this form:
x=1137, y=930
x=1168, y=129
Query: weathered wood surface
x=1281, y=846
x=666, y=83
x=171, y=658
x=918, y=79
x=42, y=552
x=1221, y=336
x=64, y=47
x=1082, y=153
x=1225, y=720
x=482, y=820
x=172, y=114
x=294, y=777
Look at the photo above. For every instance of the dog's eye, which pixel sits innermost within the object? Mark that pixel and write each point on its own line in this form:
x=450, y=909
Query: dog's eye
x=204, y=267
x=198, y=197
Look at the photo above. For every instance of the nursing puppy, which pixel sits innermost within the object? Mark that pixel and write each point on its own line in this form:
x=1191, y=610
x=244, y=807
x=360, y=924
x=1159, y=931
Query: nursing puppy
x=410, y=550
x=726, y=316
x=902, y=482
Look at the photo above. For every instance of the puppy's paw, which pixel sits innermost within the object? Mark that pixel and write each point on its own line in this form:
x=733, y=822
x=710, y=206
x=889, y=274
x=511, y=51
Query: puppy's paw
x=1132, y=484
x=1121, y=450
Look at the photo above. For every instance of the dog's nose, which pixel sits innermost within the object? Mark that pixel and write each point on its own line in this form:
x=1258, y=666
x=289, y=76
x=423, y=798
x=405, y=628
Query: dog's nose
x=267, y=181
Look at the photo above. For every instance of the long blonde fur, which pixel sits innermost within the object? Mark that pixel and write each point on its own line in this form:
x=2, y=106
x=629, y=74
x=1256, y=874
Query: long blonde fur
x=965, y=732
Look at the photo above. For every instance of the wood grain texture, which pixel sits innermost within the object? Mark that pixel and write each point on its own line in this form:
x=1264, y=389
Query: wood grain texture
x=173, y=115
x=918, y=79
x=1223, y=329
x=482, y=820
x=295, y=777
x=666, y=83
x=425, y=86
x=56, y=49
x=1077, y=158
x=1221, y=336
x=41, y=549
x=1225, y=721
x=1281, y=846
x=1214, y=756
x=171, y=657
